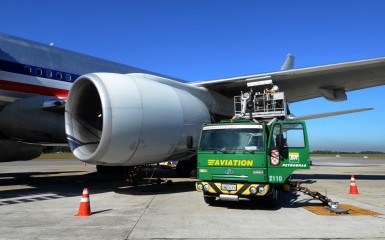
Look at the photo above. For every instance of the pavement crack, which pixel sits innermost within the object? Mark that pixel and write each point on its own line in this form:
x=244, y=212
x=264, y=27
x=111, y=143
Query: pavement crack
x=141, y=215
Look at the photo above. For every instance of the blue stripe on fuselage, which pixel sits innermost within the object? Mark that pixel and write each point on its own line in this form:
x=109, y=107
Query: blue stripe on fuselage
x=23, y=69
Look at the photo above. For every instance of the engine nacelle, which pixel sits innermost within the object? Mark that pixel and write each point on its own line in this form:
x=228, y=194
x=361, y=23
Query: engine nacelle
x=28, y=121
x=122, y=120
x=16, y=151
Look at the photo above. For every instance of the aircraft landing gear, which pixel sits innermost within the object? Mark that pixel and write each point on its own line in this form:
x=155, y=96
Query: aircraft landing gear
x=130, y=174
x=186, y=169
x=110, y=170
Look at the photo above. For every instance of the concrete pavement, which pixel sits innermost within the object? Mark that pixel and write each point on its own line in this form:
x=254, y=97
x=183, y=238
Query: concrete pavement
x=39, y=201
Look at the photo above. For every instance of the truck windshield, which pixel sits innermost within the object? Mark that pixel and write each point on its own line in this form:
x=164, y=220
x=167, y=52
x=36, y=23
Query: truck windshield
x=232, y=138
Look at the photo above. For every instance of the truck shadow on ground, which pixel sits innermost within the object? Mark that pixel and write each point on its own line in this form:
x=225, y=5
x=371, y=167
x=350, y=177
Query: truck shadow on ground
x=285, y=200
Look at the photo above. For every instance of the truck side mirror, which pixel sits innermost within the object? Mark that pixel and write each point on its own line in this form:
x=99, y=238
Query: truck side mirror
x=279, y=141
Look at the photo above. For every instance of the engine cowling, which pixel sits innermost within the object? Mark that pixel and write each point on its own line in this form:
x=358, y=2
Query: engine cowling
x=27, y=120
x=122, y=120
x=16, y=151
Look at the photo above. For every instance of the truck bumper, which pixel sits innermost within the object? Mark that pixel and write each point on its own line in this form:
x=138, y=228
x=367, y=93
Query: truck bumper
x=233, y=190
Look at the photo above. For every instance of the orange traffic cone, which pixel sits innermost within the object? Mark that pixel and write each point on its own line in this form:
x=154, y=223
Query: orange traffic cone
x=353, y=187
x=85, y=206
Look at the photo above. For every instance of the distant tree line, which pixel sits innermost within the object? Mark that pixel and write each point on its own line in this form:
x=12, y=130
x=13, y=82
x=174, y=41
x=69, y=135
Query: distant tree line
x=56, y=149
x=338, y=152
x=67, y=149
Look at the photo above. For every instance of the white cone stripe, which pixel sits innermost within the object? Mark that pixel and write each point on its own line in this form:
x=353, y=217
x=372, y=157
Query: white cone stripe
x=85, y=200
x=85, y=191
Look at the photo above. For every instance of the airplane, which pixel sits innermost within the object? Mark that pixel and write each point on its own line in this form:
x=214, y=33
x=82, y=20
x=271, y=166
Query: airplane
x=111, y=114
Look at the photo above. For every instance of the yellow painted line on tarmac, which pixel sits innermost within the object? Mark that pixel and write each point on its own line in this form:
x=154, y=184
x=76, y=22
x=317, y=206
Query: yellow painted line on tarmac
x=353, y=211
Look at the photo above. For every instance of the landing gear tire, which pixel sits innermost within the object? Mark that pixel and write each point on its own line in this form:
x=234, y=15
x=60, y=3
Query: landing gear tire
x=209, y=200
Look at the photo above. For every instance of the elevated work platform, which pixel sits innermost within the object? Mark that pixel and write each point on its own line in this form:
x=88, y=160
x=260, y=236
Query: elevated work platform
x=266, y=105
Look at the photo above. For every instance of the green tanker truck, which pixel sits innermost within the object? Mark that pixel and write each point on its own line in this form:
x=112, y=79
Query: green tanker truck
x=252, y=155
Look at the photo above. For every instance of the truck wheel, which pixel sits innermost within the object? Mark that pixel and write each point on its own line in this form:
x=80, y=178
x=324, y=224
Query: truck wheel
x=209, y=200
x=270, y=201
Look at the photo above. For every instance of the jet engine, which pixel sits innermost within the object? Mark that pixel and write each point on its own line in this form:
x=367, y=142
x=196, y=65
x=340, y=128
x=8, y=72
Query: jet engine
x=126, y=120
x=16, y=151
x=30, y=120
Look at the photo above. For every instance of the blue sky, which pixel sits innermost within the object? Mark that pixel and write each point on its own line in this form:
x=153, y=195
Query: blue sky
x=201, y=40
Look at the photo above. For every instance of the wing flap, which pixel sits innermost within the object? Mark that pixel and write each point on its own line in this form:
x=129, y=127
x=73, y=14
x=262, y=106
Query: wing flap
x=329, y=114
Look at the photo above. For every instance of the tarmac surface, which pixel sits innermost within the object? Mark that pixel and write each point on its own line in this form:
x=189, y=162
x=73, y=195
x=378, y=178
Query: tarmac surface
x=38, y=200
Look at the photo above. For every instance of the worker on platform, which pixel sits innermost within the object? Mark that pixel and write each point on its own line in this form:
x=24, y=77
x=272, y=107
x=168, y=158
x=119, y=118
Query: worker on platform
x=274, y=88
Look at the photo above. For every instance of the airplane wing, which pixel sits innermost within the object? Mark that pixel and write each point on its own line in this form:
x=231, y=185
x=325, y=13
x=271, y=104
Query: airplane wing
x=330, y=81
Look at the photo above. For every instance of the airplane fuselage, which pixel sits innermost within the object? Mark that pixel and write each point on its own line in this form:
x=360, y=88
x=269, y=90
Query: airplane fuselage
x=28, y=67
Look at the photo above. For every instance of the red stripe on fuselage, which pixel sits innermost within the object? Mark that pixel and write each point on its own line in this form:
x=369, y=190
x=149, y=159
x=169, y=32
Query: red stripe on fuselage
x=29, y=88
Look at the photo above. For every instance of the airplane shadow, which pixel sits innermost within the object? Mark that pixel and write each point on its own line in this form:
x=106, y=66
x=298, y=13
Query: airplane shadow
x=23, y=187
x=40, y=186
x=157, y=181
x=156, y=188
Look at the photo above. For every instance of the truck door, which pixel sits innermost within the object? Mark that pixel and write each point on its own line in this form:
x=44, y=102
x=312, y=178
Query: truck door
x=288, y=150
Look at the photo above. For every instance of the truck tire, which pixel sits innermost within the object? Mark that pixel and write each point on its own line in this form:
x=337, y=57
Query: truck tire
x=270, y=201
x=209, y=200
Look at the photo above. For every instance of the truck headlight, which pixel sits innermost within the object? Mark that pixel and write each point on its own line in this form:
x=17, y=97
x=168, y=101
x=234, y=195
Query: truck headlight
x=200, y=187
x=261, y=190
x=206, y=187
x=253, y=190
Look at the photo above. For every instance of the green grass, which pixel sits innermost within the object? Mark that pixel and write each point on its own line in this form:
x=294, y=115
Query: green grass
x=56, y=156
x=358, y=155
x=70, y=156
